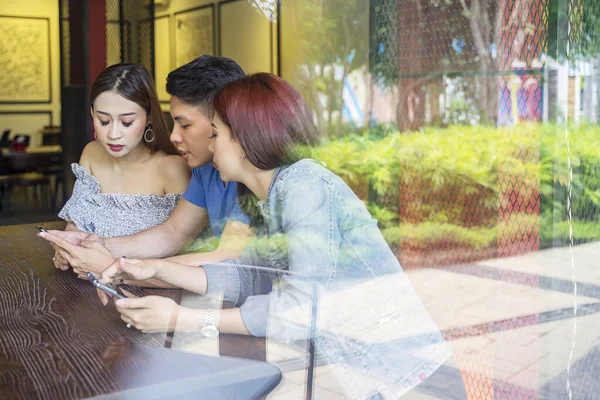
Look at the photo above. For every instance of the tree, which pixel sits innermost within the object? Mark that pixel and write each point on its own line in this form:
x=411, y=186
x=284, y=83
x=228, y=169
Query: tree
x=433, y=38
x=470, y=38
x=584, y=32
x=324, y=40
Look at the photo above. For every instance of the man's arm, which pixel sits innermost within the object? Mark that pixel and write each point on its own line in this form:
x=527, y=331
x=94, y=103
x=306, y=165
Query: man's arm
x=179, y=230
x=234, y=238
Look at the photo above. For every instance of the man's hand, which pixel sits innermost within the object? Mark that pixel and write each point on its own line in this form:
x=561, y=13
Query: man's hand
x=149, y=313
x=87, y=254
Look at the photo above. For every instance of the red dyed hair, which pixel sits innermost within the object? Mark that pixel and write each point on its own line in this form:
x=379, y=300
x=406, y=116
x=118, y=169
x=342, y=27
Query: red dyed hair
x=268, y=118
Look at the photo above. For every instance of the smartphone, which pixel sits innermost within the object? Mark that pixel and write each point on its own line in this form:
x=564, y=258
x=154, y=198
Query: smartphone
x=39, y=228
x=108, y=289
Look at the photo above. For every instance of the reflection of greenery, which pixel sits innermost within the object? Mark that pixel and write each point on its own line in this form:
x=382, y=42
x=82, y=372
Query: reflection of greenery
x=428, y=234
x=584, y=18
x=385, y=42
x=332, y=40
x=450, y=183
x=583, y=231
x=463, y=107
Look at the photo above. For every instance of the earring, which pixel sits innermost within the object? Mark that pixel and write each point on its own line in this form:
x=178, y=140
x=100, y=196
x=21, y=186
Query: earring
x=242, y=157
x=146, y=134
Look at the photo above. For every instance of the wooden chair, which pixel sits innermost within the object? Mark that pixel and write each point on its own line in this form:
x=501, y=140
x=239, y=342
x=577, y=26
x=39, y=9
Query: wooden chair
x=26, y=170
x=5, y=140
x=4, y=179
x=54, y=171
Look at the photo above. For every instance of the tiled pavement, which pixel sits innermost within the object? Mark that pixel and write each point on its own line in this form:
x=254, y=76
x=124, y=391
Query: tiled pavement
x=510, y=323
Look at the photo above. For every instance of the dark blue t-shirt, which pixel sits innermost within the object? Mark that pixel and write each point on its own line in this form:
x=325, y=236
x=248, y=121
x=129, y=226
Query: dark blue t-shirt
x=207, y=190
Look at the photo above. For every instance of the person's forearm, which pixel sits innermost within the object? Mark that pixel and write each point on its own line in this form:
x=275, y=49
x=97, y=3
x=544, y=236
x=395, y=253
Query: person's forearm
x=230, y=321
x=157, y=242
x=71, y=227
x=234, y=239
x=198, y=259
x=192, y=279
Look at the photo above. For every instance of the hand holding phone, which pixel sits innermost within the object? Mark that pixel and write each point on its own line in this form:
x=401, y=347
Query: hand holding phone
x=108, y=289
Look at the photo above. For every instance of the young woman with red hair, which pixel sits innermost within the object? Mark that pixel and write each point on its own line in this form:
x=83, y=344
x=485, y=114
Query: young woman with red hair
x=318, y=267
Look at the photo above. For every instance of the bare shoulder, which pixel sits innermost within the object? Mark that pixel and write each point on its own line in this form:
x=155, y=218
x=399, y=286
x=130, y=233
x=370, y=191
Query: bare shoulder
x=92, y=155
x=173, y=165
x=174, y=172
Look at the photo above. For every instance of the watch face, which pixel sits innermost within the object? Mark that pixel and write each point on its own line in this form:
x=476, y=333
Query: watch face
x=209, y=331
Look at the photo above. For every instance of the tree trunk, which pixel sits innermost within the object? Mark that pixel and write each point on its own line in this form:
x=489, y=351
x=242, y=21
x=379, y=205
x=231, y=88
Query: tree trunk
x=410, y=112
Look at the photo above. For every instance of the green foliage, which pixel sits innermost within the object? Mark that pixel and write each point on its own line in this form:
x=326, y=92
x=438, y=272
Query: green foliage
x=463, y=109
x=330, y=40
x=583, y=231
x=583, y=155
x=384, y=216
x=342, y=157
x=460, y=170
x=428, y=234
x=584, y=36
x=385, y=42
x=202, y=245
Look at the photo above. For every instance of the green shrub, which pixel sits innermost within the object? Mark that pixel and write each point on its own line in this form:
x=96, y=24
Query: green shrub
x=453, y=173
x=428, y=234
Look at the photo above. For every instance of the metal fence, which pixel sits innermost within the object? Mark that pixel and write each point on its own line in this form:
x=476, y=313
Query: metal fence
x=129, y=33
x=494, y=63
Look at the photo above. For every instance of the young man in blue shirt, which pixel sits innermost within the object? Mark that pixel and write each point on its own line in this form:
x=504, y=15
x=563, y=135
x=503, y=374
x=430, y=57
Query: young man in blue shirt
x=207, y=200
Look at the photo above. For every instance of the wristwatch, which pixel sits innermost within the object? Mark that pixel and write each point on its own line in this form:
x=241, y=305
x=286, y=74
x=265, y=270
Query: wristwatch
x=209, y=328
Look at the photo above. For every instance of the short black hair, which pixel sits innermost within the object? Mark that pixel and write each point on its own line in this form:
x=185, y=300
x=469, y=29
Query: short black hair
x=198, y=82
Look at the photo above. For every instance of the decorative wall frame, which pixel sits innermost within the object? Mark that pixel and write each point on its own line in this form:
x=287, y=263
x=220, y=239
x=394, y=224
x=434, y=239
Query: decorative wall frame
x=194, y=34
x=25, y=60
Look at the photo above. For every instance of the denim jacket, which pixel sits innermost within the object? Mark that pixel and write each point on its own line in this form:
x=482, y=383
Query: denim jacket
x=340, y=285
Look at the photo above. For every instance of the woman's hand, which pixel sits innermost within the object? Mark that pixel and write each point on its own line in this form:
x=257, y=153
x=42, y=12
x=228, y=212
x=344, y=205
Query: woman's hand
x=59, y=262
x=129, y=269
x=80, y=250
x=73, y=237
x=150, y=313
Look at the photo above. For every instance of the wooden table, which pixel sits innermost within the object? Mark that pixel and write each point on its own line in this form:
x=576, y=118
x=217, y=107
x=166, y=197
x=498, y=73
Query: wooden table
x=56, y=339
x=51, y=152
x=44, y=154
x=52, y=149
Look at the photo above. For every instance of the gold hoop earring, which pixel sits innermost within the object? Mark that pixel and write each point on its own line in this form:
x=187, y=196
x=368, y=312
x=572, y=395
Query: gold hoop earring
x=149, y=129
